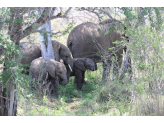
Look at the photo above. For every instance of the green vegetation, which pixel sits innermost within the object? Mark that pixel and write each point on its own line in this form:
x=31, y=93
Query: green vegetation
x=95, y=98
x=139, y=94
x=112, y=98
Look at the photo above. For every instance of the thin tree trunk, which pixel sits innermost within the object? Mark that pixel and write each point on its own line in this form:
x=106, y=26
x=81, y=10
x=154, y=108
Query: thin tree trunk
x=1, y=106
x=47, y=49
x=46, y=44
x=140, y=17
x=127, y=60
x=126, y=64
x=16, y=32
x=8, y=97
x=11, y=105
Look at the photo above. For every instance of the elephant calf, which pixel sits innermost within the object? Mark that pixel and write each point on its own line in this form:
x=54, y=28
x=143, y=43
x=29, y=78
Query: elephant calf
x=47, y=70
x=80, y=65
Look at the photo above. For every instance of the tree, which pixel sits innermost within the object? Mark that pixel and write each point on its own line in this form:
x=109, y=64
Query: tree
x=15, y=22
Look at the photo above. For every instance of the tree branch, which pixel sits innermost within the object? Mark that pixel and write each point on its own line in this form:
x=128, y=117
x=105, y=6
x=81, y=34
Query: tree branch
x=92, y=11
x=49, y=32
x=52, y=11
x=66, y=13
x=42, y=20
x=106, y=11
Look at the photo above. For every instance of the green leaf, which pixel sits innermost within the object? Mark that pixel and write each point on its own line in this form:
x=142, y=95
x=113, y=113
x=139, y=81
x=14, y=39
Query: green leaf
x=35, y=26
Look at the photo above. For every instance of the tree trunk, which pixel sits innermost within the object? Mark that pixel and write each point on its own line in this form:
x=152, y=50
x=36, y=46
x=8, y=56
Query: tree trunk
x=126, y=65
x=13, y=102
x=141, y=18
x=8, y=96
x=46, y=47
x=45, y=39
x=46, y=44
x=8, y=101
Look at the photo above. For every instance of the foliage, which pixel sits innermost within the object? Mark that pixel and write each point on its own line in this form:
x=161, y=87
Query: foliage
x=13, y=68
x=97, y=97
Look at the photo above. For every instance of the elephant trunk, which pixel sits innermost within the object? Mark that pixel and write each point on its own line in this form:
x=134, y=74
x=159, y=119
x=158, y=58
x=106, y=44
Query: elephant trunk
x=69, y=68
x=64, y=81
x=95, y=64
x=68, y=72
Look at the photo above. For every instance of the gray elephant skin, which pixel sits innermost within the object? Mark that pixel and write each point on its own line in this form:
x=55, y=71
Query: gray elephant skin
x=91, y=40
x=31, y=51
x=47, y=70
x=80, y=65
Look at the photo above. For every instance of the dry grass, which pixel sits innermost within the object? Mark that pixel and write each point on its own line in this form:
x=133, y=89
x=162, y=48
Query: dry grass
x=149, y=105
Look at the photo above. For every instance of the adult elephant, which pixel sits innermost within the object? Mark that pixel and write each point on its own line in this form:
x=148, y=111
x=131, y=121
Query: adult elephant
x=95, y=41
x=31, y=51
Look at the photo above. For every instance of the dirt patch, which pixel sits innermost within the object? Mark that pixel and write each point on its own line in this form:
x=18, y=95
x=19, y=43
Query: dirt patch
x=73, y=106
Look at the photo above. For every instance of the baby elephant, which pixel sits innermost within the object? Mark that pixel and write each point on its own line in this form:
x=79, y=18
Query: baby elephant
x=80, y=65
x=47, y=70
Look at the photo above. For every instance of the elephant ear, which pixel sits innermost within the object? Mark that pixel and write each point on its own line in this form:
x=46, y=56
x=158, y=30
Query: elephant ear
x=50, y=67
x=80, y=64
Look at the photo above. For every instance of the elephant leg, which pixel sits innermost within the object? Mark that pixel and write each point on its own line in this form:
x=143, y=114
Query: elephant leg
x=75, y=80
x=106, y=69
x=84, y=82
x=79, y=84
x=56, y=85
x=79, y=78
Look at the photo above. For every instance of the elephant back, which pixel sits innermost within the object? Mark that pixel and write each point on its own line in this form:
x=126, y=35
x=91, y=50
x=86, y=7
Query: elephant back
x=81, y=35
x=30, y=51
x=91, y=40
x=37, y=68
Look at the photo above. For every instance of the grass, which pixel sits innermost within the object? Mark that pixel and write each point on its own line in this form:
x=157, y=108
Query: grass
x=96, y=98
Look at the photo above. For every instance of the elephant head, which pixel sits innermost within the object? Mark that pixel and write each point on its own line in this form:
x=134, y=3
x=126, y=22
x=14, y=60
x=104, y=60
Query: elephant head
x=62, y=52
x=55, y=68
x=65, y=55
x=85, y=64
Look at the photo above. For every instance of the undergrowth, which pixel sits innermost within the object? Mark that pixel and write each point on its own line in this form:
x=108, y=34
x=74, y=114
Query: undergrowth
x=96, y=98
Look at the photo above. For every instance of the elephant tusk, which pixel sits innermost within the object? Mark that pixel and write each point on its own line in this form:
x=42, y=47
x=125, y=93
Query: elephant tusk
x=69, y=67
x=46, y=76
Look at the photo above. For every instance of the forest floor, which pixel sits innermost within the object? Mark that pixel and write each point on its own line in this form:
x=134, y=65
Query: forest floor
x=96, y=99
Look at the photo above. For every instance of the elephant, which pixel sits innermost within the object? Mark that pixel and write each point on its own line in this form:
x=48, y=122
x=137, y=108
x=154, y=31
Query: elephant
x=31, y=51
x=80, y=65
x=95, y=41
x=47, y=70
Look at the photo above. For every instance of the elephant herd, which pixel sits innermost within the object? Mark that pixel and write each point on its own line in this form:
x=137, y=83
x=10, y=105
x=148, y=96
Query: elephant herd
x=89, y=43
x=49, y=69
